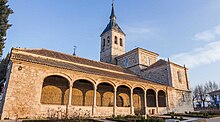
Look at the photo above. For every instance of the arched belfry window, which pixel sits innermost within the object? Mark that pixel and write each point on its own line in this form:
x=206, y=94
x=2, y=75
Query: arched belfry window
x=116, y=40
x=121, y=43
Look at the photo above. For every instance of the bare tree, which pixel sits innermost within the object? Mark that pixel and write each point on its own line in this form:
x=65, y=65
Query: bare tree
x=195, y=94
x=202, y=94
x=210, y=87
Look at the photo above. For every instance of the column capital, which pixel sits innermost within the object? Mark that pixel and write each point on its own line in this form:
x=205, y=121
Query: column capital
x=115, y=89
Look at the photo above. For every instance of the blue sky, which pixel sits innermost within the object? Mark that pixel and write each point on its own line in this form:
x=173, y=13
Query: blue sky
x=187, y=31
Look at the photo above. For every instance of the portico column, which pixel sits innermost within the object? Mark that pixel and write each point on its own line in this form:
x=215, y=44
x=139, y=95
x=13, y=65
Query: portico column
x=70, y=94
x=145, y=103
x=94, y=101
x=115, y=101
x=157, y=102
x=131, y=100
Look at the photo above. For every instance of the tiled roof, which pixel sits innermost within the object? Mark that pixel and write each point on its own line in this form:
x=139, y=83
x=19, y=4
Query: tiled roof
x=156, y=64
x=75, y=59
x=125, y=75
x=112, y=26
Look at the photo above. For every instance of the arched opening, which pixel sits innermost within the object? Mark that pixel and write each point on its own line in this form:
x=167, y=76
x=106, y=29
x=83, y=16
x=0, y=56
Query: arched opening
x=82, y=93
x=138, y=100
x=161, y=99
x=123, y=96
x=106, y=95
x=121, y=43
x=55, y=90
x=151, y=98
x=116, y=40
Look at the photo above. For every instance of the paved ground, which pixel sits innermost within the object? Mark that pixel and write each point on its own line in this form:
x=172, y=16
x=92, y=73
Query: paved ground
x=216, y=119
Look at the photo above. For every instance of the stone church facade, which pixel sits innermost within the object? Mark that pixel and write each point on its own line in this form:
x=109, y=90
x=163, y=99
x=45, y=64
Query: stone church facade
x=41, y=82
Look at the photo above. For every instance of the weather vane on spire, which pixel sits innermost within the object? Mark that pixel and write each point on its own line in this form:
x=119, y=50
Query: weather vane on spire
x=112, y=2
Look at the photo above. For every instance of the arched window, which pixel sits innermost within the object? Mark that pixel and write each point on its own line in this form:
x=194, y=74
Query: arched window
x=179, y=76
x=116, y=40
x=161, y=99
x=55, y=90
x=121, y=43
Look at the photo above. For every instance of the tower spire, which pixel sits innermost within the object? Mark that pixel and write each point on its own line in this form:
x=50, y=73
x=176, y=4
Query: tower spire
x=113, y=17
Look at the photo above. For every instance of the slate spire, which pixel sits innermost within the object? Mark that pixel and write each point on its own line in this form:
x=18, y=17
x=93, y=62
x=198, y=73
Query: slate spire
x=112, y=25
x=113, y=17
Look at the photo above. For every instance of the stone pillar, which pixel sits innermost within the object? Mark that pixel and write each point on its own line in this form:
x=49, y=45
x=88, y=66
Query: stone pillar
x=145, y=103
x=70, y=95
x=115, y=102
x=157, y=107
x=94, y=101
x=131, y=100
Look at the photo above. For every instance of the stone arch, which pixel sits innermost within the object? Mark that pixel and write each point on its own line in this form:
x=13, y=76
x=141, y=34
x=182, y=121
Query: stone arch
x=93, y=81
x=139, y=86
x=106, y=97
x=124, y=84
x=82, y=92
x=138, y=100
x=151, y=98
x=123, y=92
x=107, y=81
x=55, y=90
x=151, y=87
x=161, y=98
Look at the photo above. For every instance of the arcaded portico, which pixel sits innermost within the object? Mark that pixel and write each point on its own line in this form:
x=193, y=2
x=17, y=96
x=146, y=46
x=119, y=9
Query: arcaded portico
x=57, y=90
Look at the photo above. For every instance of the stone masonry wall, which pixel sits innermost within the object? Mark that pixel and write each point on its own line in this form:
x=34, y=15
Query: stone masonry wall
x=158, y=74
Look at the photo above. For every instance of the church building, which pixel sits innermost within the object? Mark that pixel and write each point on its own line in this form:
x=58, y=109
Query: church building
x=42, y=83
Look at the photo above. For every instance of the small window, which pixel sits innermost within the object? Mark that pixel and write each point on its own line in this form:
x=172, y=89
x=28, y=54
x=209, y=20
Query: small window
x=183, y=97
x=121, y=43
x=179, y=76
x=149, y=61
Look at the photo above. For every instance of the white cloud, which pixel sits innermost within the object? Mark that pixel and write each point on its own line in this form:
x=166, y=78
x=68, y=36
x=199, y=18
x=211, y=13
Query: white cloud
x=210, y=53
x=207, y=54
x=208, y=35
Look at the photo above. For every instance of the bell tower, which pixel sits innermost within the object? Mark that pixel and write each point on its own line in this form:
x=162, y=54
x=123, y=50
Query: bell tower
x=112, y=41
